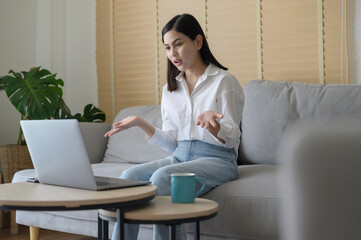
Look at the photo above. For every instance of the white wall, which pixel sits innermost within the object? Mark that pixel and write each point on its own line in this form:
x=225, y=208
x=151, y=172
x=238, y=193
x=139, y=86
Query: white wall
x=17, y=52
x=56, y=34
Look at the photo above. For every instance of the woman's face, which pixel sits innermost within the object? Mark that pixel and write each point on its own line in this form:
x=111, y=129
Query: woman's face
x=181, y=50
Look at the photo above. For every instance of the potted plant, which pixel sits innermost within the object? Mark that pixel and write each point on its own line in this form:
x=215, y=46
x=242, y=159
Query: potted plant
x=36, y=94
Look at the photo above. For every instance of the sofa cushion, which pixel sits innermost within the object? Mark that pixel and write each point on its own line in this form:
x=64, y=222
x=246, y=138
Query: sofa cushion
x=113, y=170
x=249, y=207
x=99, y=169
x=131, y=146
x=271, y=107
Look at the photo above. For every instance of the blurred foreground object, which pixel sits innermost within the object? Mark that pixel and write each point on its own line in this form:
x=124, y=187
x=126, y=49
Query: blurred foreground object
x=322, y=181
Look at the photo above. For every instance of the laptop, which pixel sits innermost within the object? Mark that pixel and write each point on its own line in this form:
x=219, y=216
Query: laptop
x=60, y=158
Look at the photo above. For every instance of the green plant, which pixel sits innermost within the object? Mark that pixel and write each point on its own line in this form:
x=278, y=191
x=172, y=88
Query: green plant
x=37, y=94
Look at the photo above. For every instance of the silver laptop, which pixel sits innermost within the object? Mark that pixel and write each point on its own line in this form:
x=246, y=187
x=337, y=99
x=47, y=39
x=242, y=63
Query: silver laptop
x=60, y=158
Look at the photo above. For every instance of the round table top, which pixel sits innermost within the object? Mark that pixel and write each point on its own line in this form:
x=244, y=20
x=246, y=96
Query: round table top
x=36, y=195
x=161, y=208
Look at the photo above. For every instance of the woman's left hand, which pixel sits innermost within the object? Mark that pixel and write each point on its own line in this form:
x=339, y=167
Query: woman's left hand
x=208, y=120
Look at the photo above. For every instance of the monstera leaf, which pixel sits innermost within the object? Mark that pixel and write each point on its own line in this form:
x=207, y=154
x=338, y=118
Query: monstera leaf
x=91, y=114
x=35, y=94
x=62, y=111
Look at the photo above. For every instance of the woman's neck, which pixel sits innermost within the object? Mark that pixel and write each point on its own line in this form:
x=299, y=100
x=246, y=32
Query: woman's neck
x=192, y=74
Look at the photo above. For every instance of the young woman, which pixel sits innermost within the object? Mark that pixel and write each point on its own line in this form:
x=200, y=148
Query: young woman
x=201, y=110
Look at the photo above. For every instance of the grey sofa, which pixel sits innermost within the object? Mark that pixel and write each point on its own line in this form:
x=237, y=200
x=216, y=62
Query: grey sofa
x=249, y=207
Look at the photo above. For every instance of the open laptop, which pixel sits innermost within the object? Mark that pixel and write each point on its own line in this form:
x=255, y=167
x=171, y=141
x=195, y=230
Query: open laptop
x=60, y=158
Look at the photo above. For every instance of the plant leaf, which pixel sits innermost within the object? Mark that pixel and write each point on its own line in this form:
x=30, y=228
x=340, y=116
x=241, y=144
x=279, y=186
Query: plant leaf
x=34, y=94
x=91, y=114
x=63, y=111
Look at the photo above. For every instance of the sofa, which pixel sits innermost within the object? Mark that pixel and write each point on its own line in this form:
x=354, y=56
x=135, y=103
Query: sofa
x=250, y=207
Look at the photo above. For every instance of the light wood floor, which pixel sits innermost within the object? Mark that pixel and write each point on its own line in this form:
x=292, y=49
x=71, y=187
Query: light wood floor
x=44, y=235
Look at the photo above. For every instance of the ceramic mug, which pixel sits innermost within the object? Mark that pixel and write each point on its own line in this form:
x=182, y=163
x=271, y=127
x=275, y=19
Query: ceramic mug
x=183, y=187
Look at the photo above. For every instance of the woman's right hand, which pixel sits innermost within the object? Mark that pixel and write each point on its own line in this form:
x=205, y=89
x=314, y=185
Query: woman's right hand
x=131, y=121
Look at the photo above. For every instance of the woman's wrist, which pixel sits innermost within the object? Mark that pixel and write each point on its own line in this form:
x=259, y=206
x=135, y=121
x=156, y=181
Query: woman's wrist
x=217, y=131
x=214, y=131
x=147, y=128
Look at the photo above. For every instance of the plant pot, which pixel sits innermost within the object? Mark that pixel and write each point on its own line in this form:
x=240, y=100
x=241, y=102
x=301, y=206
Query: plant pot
x=14, y=158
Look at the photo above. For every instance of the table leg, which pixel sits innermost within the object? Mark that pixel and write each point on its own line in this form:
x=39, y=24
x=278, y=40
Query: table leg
x=2, y=219
x=100, y=230
x=173, y=231
x=120, y=221
x=196, y=231
x=34, y=233
x=14, y=227
x=103, y=229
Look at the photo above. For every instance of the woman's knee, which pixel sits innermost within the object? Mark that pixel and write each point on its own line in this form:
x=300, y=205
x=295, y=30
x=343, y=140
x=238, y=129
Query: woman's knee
x=145, y=171
x=161, y=178
x=127, y=174
x=133, y=173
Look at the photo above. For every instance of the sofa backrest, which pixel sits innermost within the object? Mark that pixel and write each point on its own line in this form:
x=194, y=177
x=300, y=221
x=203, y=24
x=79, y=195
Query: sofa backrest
x=271, y=107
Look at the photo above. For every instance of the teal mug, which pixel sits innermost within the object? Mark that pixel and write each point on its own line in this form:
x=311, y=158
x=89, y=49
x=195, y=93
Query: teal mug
x=183, y=187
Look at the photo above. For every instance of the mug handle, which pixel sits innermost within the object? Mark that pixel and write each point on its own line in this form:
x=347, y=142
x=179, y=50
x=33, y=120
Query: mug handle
x=203, y=185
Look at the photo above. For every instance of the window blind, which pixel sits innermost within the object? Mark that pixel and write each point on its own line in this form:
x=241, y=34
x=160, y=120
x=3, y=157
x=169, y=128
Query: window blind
x=104, y=51
x=289, y=33
x=232, y=33
x=133, y=52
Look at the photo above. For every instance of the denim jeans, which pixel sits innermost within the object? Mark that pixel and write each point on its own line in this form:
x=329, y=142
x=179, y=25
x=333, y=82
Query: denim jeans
x=216, y=164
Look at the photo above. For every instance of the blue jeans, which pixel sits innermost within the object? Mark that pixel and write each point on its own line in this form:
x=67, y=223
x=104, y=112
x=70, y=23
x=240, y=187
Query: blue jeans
x=216, y=164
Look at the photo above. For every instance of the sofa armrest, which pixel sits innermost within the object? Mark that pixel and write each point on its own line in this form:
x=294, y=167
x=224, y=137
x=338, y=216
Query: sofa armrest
x=95, y=142
x=322, y=181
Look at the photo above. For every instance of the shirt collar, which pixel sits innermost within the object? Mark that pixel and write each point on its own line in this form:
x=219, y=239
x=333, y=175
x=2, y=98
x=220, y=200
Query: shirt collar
x=211, y=70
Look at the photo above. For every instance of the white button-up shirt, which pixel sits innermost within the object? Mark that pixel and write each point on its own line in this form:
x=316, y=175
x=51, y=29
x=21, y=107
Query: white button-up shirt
x=216, y=90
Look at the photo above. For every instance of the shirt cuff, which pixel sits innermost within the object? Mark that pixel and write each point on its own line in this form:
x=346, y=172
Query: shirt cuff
x=223, y=132
x=156, y=138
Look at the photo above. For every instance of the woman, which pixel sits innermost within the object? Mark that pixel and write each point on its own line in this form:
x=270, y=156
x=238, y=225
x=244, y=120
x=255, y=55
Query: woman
x=201, y=110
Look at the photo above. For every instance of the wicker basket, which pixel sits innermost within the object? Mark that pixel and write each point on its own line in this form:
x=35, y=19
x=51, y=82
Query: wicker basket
x=14, y=158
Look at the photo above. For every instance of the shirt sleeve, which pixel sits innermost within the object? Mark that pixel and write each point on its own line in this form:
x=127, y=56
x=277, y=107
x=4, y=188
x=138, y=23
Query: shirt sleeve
x=230, y=104
x=166, y=137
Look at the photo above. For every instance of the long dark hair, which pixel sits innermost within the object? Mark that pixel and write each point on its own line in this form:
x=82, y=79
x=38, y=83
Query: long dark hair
x=189, y=26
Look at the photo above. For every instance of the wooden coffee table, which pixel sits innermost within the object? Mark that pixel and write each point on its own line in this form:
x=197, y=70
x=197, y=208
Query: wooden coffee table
x=161, y=210
x=42, y=197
